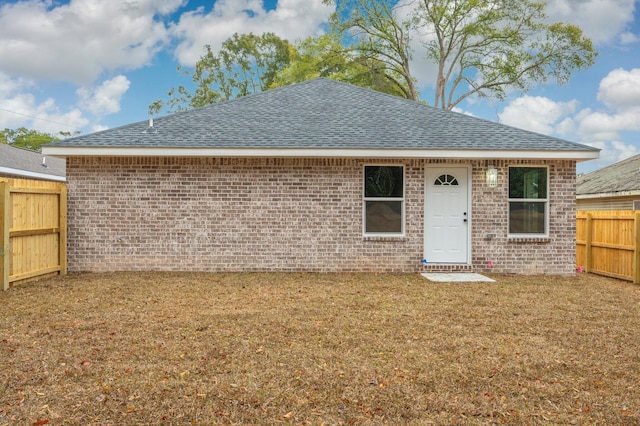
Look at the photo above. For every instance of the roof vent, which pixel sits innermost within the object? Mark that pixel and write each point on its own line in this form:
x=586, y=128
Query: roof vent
x=151, y=130
x=44, y=162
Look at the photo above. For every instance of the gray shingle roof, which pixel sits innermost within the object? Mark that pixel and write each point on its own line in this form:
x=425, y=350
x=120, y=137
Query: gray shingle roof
x=323, y=114
x=18, y=161
x=619, y=177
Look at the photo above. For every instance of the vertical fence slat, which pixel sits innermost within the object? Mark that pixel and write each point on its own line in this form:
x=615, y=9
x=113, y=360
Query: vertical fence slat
x=588, y=240
x=5, y=211
x=636, y=251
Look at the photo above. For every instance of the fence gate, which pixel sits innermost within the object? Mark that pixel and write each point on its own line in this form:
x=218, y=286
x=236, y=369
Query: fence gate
x=33, y=230
x=608, y=243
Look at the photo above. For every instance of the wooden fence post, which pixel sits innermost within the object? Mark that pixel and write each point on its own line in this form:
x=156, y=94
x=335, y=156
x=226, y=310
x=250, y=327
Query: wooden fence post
x=588, y=239
x=636, y=248
x=5, y=211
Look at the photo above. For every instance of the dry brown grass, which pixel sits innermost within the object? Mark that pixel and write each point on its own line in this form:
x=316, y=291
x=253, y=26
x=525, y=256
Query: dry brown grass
x=175, y=348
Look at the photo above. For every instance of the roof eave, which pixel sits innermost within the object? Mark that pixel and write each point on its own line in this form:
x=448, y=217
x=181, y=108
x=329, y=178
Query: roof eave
x=32, y=175
x=65, y=151
x=617, y=194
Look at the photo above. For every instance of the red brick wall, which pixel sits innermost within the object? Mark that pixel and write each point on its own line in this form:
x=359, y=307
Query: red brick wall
x=208, y=214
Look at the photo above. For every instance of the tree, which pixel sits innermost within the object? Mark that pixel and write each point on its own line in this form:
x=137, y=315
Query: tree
x=325, y=56
x=485, y=48
x=374, y=30
x=314, y=57
x=498, y=45
x=28, y=139
x=245, y=64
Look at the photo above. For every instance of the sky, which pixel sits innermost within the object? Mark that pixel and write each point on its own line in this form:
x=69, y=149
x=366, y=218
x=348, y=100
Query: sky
x=89, y=65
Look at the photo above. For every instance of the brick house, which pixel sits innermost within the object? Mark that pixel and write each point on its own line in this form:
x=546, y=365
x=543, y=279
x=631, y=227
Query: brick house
x=321, y=176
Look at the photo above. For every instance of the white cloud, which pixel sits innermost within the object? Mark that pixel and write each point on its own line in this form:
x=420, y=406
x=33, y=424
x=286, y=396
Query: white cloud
x=98, y=128
x=20, y=108
x=291, y=19
x=462, y=111
x=601, y=20
x=600, y=125
x=628, y=38
x=620, y=89
x=620, y=92
x=611, y=152
x=76, y=42
x=536, y=113
x=104, y=99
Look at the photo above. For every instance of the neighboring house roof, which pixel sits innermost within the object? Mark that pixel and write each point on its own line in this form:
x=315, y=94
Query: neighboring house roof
x=322, y=117
x=23, y=163
x=619, y=179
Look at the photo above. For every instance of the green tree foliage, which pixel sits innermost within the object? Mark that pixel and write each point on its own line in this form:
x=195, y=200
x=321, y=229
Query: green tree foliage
x=485, y=48
x=245, y=64
x=28, y=139
x=314, y=57
x=325, y=56
x=373, y=30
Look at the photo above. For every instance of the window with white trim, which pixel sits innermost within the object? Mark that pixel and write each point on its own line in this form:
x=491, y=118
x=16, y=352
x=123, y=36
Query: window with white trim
x=383, y=200
x=529, y=201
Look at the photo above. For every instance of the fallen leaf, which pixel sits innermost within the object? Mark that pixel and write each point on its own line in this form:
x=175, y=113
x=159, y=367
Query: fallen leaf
x=41, y=422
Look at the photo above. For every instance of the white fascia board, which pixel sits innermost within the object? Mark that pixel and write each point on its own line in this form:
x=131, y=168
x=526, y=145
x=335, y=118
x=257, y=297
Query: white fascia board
x=60, y=151
x=23, y=173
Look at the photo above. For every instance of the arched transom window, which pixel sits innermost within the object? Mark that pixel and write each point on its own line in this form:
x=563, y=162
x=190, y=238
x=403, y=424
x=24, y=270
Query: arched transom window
x=446, y=180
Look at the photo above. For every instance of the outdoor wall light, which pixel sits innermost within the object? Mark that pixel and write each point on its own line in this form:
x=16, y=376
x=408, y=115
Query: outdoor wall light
x=492, y=177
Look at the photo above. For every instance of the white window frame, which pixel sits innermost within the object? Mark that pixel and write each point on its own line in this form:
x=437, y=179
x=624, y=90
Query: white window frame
x=544, y=201
x=402, y=199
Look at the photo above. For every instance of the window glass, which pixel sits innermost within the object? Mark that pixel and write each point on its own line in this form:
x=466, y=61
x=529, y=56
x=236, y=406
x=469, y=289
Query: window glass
x=383, y=216
x=528, y=200
x=383, y=181
x=526, y=218
x=528, y=182
x=383, y=200
x=446, y=180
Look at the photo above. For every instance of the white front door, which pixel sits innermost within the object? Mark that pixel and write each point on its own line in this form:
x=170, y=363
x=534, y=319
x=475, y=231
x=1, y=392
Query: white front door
x=446, y=228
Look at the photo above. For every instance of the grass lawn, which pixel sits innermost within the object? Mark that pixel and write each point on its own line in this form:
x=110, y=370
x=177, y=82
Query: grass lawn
x=181, y=348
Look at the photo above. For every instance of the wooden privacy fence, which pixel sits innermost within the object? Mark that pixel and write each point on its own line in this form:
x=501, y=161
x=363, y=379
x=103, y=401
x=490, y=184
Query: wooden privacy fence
x=608, y=243
x=33, y=230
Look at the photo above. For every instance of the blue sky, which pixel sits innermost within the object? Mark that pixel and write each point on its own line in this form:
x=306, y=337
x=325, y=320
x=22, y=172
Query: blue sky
x=88, y=65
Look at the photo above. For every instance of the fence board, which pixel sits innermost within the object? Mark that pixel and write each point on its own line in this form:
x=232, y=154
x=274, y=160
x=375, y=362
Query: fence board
x=608, y=243
x=5, y=211
x=33, y=229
